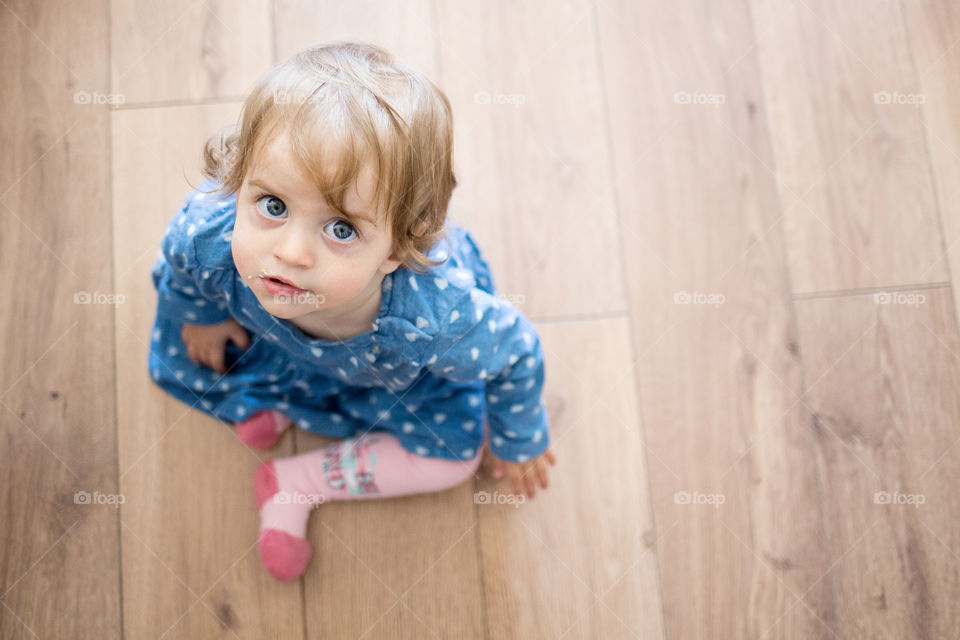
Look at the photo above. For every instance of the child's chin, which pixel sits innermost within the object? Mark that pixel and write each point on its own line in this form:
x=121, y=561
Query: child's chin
x=281, y=309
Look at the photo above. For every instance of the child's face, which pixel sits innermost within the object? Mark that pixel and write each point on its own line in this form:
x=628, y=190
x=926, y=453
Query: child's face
x=285, y=228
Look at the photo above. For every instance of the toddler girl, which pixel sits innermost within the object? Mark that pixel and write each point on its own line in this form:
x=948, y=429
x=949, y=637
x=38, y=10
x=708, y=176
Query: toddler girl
x=315, y=279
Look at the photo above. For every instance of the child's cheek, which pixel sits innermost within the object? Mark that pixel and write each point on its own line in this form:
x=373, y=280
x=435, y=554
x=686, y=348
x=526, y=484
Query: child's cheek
x=243, y=258
x=348, y=280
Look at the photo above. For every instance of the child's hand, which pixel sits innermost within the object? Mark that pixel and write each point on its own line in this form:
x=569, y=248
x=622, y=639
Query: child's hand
x=206, y=343
x=523, y=475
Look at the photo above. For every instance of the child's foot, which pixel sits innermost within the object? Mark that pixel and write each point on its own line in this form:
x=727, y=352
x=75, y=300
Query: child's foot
x=284, y=550
x=263, y=429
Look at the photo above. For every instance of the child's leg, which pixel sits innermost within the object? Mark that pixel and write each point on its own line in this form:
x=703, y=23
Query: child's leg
x=373, y=465
x=263, y=429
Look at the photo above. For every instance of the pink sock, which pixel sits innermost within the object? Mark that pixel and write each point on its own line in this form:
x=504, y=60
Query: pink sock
x=373, y=465
x=263, y=429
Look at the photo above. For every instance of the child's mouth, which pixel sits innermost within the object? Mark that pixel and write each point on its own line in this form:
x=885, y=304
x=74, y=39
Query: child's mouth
x=276, y=286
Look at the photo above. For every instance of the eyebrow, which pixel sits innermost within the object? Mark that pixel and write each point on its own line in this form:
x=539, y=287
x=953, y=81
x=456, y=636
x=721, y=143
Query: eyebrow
x=353, y=217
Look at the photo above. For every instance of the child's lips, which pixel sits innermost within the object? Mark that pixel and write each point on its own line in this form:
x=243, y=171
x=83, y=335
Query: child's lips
x=276, y=287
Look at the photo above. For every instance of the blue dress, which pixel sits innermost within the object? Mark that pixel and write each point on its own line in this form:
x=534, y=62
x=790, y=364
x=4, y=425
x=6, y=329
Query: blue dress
x=444, y=358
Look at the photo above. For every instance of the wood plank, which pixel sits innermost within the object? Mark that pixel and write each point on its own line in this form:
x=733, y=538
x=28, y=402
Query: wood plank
x=531, y=157
x=934, y=28
x=718, y=371
x=190, y=526
x=187, y=50
x=884, y=381
x=579, y=559
x=858, y=203
x=59, y=559
x=409, y=34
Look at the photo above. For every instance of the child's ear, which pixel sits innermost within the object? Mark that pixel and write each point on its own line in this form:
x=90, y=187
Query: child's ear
x=391, y=263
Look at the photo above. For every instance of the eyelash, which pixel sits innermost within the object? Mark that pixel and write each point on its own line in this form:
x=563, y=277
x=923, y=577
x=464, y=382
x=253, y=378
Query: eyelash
x=258, y=196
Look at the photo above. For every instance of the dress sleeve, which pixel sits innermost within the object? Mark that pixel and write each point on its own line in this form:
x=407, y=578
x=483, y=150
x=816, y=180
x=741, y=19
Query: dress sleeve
x=177, y=277
x=485, y=338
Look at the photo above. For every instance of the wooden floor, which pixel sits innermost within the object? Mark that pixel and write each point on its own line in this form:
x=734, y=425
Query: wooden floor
x=734, y=224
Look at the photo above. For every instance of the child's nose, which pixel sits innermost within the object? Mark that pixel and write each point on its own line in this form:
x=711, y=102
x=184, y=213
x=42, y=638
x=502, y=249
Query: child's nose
x=294, y=249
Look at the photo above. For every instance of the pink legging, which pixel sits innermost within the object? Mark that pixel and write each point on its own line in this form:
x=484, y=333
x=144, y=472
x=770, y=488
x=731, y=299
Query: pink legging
x=373, y=465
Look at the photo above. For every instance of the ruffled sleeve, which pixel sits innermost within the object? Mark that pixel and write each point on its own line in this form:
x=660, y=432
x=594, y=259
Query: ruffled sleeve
x=485, y=338
x=184, y=288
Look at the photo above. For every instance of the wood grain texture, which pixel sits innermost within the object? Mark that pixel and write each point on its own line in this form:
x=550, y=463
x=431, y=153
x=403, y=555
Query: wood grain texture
x=399, y=568
x=735, y=498
x=858, y=202
x=530, y=150
x=190, y=525
x=934, y=29
x=59, y=554
x=578, y=560
x=405, y=29
x=188, y=49
x=886, y=408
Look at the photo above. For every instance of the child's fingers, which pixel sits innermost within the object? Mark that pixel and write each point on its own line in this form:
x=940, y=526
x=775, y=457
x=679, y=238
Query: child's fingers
x=542, y=475
x=216, y=360
x=240, y=337
x=530, y=482
x=208, y=359
x=551, y=458
x=515, y=480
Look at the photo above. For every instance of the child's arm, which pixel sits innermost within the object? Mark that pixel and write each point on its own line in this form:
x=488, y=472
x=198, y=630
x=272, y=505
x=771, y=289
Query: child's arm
x=483, y=337
x=183, y=294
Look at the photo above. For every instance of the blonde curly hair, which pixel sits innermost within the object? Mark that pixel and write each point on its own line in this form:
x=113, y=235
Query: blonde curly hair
x=347, y=103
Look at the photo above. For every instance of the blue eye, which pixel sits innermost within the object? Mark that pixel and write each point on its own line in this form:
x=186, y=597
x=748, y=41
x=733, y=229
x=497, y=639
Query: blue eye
x=271, y=206
x=343, y=231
